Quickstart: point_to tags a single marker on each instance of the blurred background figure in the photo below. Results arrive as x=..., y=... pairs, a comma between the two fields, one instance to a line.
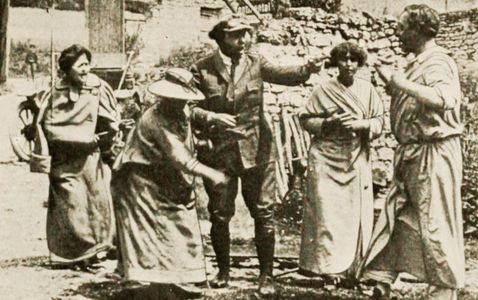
x=31, y=62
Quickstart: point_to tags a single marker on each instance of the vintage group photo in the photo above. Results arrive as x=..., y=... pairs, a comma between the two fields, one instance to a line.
x=238, y=149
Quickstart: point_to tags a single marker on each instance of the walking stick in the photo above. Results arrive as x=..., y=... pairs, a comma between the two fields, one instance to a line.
x=202, y=242
x=52, y=49
x=123, y=76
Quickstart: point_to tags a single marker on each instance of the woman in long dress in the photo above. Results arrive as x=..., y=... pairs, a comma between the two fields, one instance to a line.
x=159, y=235
x=77, y=117
x=343, y=115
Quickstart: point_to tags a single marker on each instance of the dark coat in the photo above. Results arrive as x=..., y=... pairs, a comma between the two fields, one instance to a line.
x=255, y=139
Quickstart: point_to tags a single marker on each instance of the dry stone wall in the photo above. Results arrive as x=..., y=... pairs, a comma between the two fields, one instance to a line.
x=312, y=32
x=459, y=33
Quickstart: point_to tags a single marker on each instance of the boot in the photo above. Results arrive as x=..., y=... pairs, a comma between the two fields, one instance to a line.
x=221, y=280
x=266, y=285
x=265, y=241
x=220, y=240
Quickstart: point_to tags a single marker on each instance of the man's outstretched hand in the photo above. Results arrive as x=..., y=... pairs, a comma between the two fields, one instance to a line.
x=314, y=65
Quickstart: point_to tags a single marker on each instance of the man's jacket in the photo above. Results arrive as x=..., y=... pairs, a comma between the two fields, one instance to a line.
x=252, y=132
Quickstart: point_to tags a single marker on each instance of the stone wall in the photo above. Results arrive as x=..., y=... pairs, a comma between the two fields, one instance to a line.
x=394, y=8
x=309, y=33
x=459, y=33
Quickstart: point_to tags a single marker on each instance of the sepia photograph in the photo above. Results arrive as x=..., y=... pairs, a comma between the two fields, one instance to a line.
x=238, y=149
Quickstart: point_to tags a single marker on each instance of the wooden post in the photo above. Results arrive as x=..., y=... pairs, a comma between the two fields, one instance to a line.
x=105, y=19
x=253, y=9
x=4, y=42
x=231, y=6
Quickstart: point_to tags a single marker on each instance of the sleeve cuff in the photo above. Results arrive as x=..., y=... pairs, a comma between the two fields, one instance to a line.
x=192, y=164
x=209, y=117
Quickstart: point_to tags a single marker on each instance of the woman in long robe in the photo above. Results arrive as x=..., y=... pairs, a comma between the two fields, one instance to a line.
x=343, y=115
x=159, y=235
x=76, y=117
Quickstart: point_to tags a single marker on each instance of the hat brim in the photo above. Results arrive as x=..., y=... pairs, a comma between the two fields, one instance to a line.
x=166, y=89
x=242, y=27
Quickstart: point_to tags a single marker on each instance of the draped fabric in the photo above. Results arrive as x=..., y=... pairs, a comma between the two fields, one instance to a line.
x=158, y=228
x=338, y=209
x=80, y=221
x=420, y=231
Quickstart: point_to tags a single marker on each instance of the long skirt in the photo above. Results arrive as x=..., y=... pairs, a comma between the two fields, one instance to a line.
x=80, y=221
x=420, y=229
x=159, y=238
x=338, y=215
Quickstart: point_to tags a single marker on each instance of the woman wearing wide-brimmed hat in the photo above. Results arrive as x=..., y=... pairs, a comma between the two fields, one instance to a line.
x=159, y=236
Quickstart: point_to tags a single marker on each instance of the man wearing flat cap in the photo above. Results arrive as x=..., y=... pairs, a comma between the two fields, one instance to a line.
x=232, y=117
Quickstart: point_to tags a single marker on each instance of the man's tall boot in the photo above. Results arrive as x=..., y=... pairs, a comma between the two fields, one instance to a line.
x=220, y=239
x=265, y=242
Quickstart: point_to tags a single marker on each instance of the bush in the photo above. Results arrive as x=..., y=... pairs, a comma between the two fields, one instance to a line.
x=140, y=6
x=469, y=187
x=70, y=5
x=136, y=6
x=330, y=6
x=134, y=42
x=185, y=57
x=59, y=4
x=25, y=3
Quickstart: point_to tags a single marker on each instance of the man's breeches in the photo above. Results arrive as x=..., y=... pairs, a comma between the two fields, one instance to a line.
x=258, y=191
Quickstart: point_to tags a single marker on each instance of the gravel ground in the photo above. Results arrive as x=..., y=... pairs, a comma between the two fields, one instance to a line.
x=26, y=274
x=24, y=269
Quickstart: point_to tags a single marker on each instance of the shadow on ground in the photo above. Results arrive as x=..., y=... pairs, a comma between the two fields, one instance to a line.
x=287, y=289
x=114, y=290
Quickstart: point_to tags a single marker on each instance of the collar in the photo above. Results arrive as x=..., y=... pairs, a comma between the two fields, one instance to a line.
x=422, y=57
x=227, y=60
x=92, y=81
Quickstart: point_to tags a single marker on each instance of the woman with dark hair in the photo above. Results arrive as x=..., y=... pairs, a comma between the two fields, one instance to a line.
x=343, y=115
x=153, y=183
x=77, y=116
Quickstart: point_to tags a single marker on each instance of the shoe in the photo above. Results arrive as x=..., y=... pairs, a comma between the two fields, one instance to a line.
x=381, y=292
x=344, y=282
x=266, y=285
x=187, y=291
x=221, y=280
x=87, y=267
x=112, y=254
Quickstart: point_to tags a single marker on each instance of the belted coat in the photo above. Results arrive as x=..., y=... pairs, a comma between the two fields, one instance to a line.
x=245, y=101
